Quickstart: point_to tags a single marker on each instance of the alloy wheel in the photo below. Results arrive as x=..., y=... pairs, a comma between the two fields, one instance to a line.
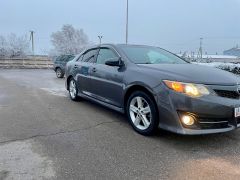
x=140, y=113
x=73, y=89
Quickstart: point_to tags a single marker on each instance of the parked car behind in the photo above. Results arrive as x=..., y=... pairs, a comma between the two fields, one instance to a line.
x=60, y=63
x=156, y=88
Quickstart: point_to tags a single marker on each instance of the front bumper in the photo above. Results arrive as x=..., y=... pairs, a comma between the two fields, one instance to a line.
x=214, y=114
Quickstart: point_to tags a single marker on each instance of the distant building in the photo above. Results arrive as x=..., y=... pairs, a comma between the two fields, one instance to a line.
x=221, y=58
x=233, y=52
x=211, y=58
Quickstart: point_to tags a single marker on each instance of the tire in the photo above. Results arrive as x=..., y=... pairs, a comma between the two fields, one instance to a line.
x=59, y=73
x=73, y=91
x=142, y=113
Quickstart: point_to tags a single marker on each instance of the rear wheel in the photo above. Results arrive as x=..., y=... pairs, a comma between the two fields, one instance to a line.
x=73, y=91
x=59, y=73
x=142, y=113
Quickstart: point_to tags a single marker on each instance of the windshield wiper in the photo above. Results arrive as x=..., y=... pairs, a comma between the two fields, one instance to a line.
x=145, y=63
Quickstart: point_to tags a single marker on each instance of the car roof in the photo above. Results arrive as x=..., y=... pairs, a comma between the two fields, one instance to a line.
x=117, y=45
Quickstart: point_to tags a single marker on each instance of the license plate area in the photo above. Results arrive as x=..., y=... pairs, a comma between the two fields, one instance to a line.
x=237, y=112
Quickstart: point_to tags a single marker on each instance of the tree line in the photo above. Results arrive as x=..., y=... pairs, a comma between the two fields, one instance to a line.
x=13, y=46
x=68, y=40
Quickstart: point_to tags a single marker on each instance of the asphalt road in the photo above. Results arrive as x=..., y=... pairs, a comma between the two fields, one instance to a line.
x=44, y=135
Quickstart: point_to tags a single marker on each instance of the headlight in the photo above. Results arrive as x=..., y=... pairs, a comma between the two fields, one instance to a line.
x=194, y=90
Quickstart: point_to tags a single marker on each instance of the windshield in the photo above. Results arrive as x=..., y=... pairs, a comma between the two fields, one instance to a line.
x=151, y=55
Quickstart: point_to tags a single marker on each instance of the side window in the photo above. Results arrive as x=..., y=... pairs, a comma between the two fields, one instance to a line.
x=57, y=59
x=89, y=56
x=104, y=55
x=80, y=58
x=69, y=58
x=64, y=58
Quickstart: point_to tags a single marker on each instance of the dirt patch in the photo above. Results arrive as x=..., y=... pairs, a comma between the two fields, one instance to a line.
x=209, y=168
x=19, y=161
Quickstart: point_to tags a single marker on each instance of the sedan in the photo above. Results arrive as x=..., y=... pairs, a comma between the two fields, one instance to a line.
x=156, y=89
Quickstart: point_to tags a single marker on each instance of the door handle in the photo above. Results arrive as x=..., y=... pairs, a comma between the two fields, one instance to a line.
x=94, y=70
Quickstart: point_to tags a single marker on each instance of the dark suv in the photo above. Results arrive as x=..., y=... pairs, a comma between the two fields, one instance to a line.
x=60, y=63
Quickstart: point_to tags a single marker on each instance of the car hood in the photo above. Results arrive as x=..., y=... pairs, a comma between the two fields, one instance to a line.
x=192, y=73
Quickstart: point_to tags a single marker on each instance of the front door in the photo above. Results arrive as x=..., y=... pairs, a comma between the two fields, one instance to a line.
x=107, y=81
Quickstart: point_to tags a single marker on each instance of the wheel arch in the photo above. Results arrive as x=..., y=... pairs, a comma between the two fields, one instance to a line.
x=68, y=80
x=135, y=88
x=57, y=67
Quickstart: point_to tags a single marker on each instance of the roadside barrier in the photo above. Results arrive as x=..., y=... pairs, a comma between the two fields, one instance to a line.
x=26, y=63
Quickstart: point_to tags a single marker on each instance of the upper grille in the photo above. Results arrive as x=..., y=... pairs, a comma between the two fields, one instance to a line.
x=228, y=94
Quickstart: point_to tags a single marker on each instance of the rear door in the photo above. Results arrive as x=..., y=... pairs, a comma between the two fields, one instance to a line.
x=58, y=62
x=83, y=68
x=107, y=81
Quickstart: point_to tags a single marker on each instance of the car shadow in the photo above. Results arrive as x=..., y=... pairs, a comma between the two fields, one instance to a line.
x=183, y=156
x=189, y=142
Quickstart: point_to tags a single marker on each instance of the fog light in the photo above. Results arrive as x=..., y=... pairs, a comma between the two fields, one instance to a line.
x=187, y=120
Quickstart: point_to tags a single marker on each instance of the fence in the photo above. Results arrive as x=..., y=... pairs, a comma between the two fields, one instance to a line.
x=27, y=63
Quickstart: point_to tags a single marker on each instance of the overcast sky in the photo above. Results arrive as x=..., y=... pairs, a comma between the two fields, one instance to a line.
x=175, y=25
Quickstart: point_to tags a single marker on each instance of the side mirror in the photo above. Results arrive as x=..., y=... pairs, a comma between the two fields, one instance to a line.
x=115, y=62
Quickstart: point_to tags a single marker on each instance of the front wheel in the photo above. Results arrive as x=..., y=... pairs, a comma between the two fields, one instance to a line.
x=73, y=91
x=142, y=113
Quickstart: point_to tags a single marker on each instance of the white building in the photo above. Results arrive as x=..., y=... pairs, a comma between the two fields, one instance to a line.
x=211, y=58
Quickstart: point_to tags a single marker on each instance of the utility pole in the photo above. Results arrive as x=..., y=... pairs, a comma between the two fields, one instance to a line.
x=127, y=25
x=200, y=48
x=100, y=39
x=32, y=39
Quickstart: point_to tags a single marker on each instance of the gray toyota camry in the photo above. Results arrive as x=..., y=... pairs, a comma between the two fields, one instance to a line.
x=156, y=89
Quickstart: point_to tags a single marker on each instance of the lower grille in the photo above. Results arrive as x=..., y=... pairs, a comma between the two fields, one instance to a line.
x=212, y=123
x=238, y=120
x=228, y=94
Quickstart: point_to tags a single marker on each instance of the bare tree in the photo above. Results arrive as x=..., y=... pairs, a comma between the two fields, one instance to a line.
x=3, y=46
x=69, y=40
x=18, y=46
x=13, y=46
